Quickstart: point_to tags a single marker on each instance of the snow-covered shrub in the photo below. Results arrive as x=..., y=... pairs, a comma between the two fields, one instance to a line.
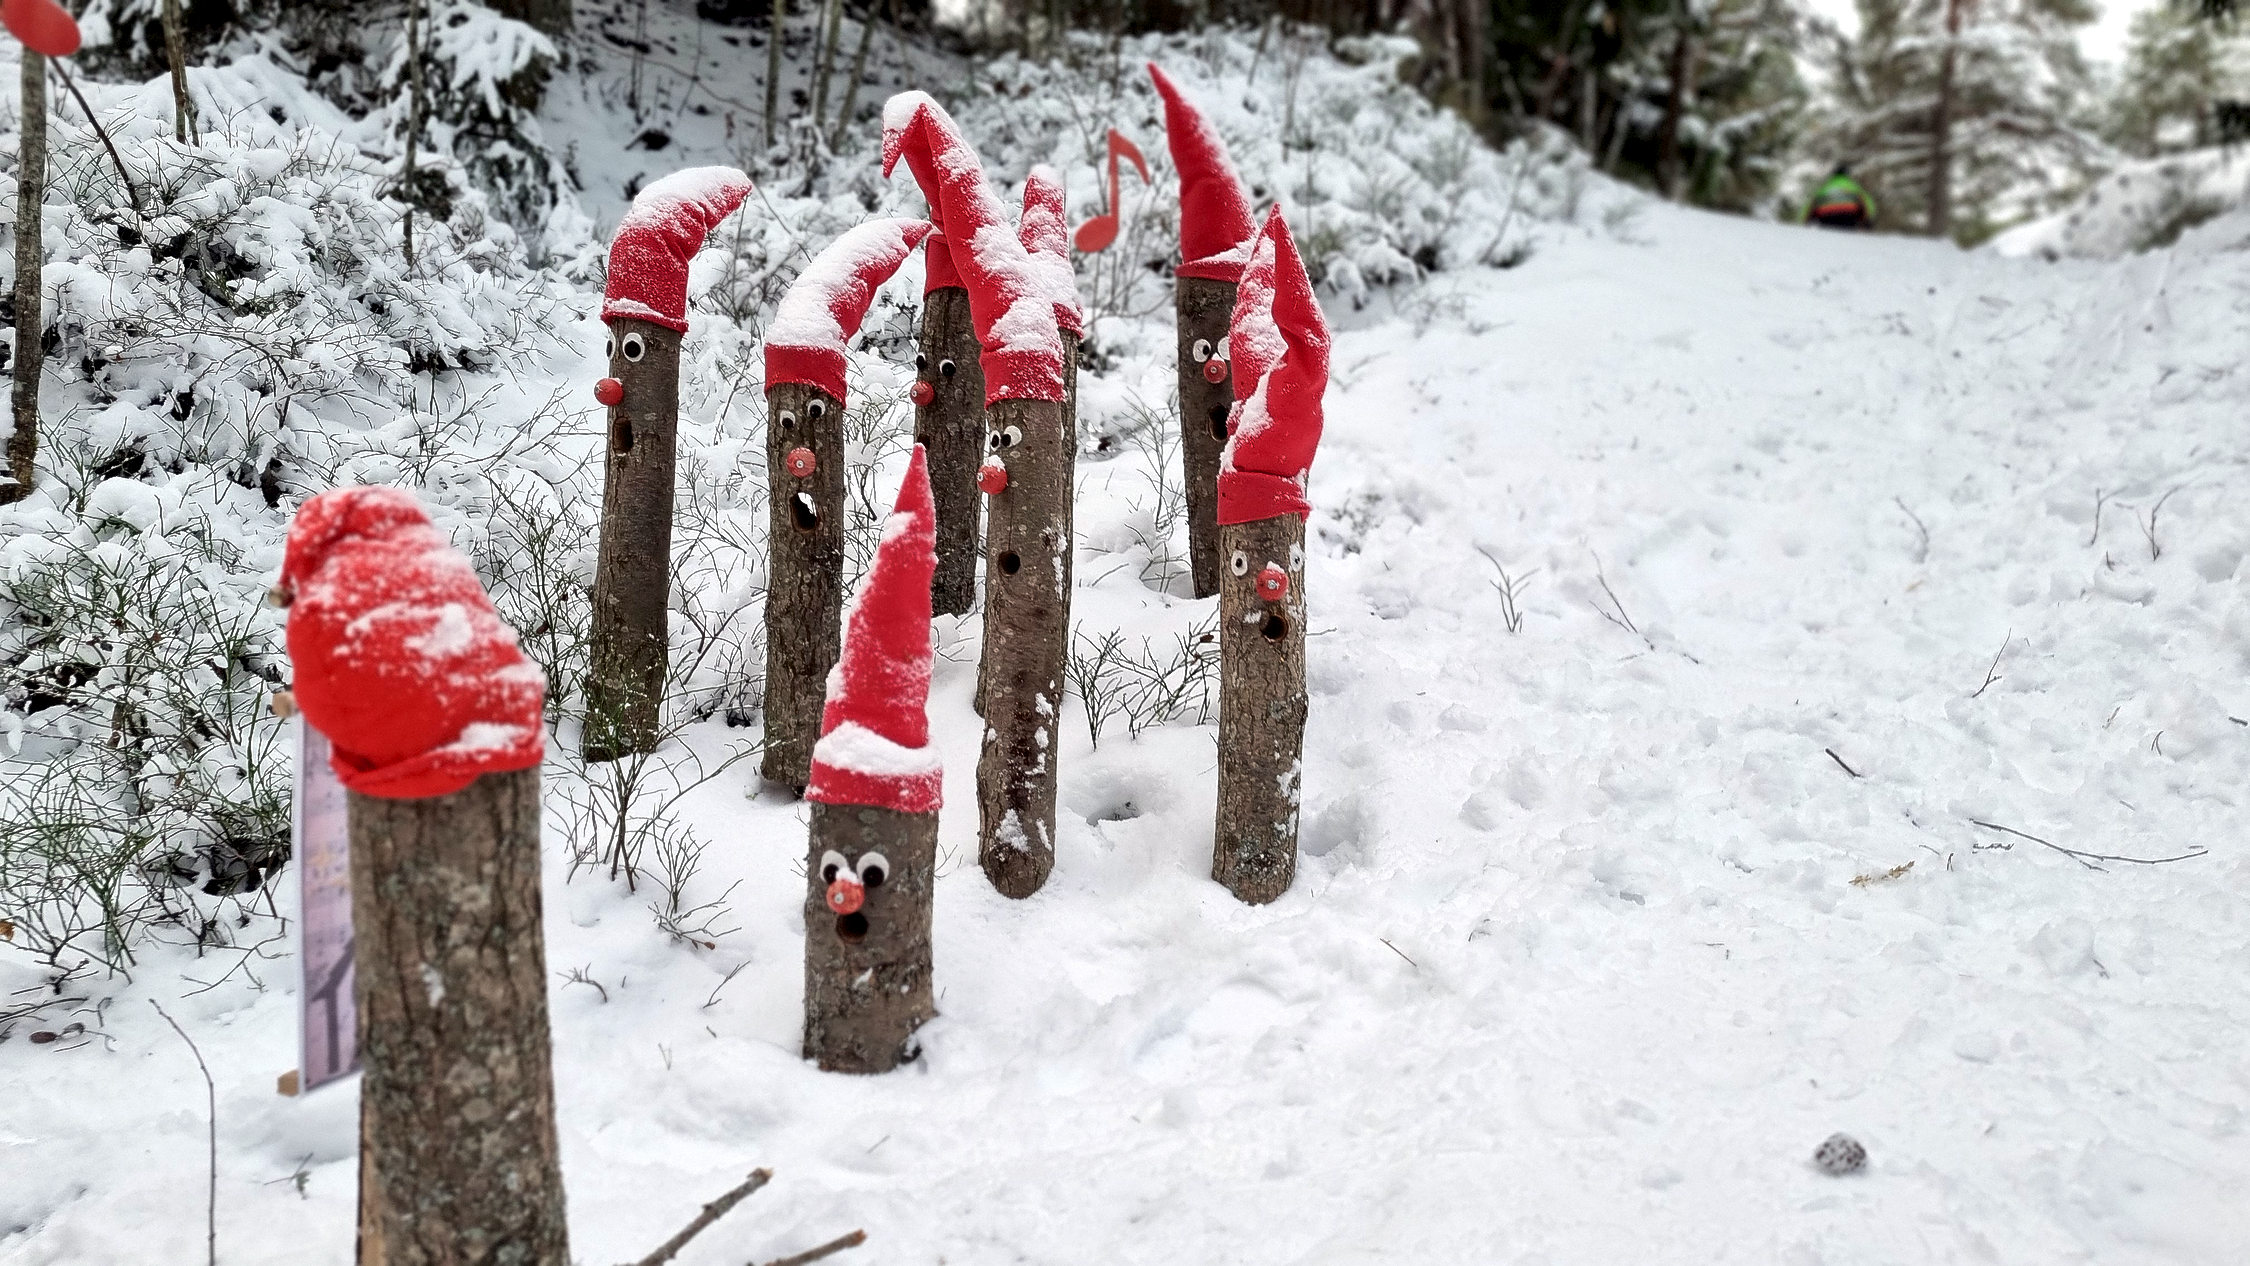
x=484, y=76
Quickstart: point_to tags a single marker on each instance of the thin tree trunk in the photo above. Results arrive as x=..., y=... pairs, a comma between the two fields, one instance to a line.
x=776, y=23
x=832, y=32
x=951, y=428
x=1675, y=105
x=804, y=576
x=413, y=118
x=175, y=56
x=1027, y=583
x=1261, y=710
x=1205, y=307
x=31, y=255
x=867, y=974
x=851, y=90
x=633, y=578
x=459, y=1161
x=1941, y=129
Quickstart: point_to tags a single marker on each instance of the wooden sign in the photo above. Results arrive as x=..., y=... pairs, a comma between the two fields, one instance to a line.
x=328, y=1027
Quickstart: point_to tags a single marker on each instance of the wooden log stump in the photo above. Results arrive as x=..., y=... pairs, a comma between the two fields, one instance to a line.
x=867, y=972
x=1027, y=584
x=951, y=429
x=805, y=572
x=633, y=577
x=1261, y=706
x=1204, y=307
x=459, y=1161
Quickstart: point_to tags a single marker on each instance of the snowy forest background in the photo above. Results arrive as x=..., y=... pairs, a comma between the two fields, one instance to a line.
x=365, y=244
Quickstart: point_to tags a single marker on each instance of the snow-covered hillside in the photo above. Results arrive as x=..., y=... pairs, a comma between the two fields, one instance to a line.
x=1867, y=757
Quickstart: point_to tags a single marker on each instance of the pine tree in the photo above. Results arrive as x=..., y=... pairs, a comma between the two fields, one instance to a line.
x=1960, y=115
x=1712, y=101
x=2185, y=70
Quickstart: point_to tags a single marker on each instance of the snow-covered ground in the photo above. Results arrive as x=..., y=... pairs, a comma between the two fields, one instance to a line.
x=1576, y=969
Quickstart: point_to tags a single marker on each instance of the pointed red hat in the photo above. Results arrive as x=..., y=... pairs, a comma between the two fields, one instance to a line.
x=659, y=238
x=1046, y=238
x=1012, y=312
x=1279, y=341
x=874, y=746
x=1215, y=221
x=828, y=301
x=398, y=655
x=42, y=25
x=938, y=272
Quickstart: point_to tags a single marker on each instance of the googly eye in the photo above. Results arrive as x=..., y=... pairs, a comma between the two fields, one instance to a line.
x=946, y=369
x=992, y=441
x=609, y=347
x=1201, y=351
x=921, y=362
x=1011, y=436
x=1221, y=350
x=788, y=421
x=817, y=410
x=1240, y=563
x=832, y=864
x=873, y=869
x=635, y=347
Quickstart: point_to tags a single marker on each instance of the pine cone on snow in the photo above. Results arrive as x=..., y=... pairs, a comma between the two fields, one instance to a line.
x=1840, y=1155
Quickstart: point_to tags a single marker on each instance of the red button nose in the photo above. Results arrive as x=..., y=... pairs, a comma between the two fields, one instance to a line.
x=1273, y=583
x=846, y=895
x=1215, y=370
x=992, y=477
x=609, y=391
x=923, y=393
x=801, y=462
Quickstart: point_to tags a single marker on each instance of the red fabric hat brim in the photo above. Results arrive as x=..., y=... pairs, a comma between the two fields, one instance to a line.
x=660, y=236
x=398, y=655
x=1279, y=342
x=806, y=340
x=938, y=272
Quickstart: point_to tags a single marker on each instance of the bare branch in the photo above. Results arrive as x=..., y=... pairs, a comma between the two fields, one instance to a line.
x=2081, y=856
x=834, y=1246
x=211, y=1095
x=1840, y=762
x=1992, y=674
x=712, y=1212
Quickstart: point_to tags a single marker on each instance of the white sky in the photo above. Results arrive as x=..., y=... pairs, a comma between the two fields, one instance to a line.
x=2104, y=40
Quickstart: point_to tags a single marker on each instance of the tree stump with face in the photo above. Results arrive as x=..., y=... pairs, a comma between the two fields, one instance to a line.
x=868, y=897
x=949, y=425
x=805, y=490
x=1261, y=706
x=631, y=641
x=1206, y=397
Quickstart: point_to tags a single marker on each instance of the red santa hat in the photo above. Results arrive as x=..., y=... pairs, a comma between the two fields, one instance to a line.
x=660, y=236
x=398, y=656
x=874, y=746
x=1046, y=238
x=1279, y=341
x=42, y=25
x=1215, y=221
x=828, y=301
x=938, y=272
x=1012, y=311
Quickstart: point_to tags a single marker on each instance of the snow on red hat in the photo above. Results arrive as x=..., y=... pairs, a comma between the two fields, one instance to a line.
x=1012, y=312
x=938, y=272
x=42, y=25
x=828, y=301
x=398, y=655
x=1215, y=221
x=1279, y=340
x=1046, y=238
x=660, y=236
x=874, y=746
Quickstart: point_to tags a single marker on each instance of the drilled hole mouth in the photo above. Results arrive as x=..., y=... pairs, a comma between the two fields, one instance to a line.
x=851, y=928
x=802, y=513
x=621, y=436
x=1010, y=563
x=1218, y=421
x=1276, y=627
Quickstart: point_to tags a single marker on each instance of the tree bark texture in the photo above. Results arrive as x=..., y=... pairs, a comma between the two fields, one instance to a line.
x=31, y=256
x=950, y=429
x=867, y=974
x=1680, y=74
x=777, y=18
x=1028, y=547
x=633, y=578
x=459, y=1162
x=1941, y=128
x=1261, y=710
x=804, y=574
x=175, y=59
x=1205, y=308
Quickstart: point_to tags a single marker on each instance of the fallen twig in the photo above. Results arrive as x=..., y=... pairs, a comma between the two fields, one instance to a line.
x=1876, y=877
x=1992, y=674
x=2148, y=529
x=1922, y=554
x=1401, y=953
x=837, y=1245
x=2081, y=856
x=1840, y=762
x=211, y=1096
x=712, y=1212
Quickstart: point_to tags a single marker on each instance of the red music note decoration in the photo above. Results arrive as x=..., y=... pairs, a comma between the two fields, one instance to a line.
x=1096, y=234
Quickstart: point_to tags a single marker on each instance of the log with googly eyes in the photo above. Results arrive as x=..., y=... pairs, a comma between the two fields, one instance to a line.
x=1027, y=475
x=948, y=395
x=645, y=310
x=1281, y=369
x=875, y=790
x=1216, y=229
x=806, y=365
